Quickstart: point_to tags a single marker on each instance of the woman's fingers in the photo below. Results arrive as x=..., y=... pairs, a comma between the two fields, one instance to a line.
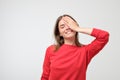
x=66, y=22
x=70, y=23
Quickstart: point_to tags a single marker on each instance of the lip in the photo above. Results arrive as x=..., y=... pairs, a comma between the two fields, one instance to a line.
x=68, y=31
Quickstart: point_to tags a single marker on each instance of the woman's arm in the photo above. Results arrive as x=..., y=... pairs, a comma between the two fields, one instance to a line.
x=46, y=66
x=85, y=30
x=101, y=37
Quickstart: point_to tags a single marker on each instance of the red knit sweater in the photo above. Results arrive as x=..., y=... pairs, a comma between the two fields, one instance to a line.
x=70, y=62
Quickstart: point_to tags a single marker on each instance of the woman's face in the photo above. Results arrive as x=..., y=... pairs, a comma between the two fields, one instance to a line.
x=65, y=31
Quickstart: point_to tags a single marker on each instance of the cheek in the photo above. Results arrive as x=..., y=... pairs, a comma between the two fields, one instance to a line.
x=73, y=34
x=61, y=32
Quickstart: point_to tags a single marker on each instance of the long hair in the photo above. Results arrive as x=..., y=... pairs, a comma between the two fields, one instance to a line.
x=59, y=39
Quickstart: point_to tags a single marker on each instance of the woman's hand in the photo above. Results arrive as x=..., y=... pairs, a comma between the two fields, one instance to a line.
x=75, y=27
x=71, y=23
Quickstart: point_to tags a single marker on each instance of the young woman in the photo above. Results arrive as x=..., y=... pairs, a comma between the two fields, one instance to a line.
x=68, y=58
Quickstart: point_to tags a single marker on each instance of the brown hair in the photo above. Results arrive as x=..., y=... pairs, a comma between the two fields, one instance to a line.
x=59, y=39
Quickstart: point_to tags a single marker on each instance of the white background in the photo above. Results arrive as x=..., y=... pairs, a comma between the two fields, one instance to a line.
x=26, y=30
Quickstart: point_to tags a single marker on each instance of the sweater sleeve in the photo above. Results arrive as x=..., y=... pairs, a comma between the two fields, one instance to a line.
x=46, y=66
x=101, y=39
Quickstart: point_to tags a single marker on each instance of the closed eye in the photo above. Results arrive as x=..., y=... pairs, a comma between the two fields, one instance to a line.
x=62, y=26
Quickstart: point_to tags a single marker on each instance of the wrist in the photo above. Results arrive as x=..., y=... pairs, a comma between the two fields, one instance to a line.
x=78, y=29
x=85, y=30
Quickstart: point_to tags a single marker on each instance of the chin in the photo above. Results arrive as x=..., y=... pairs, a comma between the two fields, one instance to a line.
x=70, y=37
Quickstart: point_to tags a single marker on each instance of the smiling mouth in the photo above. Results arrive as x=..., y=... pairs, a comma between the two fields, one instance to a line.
x=68, y=31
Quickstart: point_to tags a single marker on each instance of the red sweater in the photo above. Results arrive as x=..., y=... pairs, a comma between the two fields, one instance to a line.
x=70, y=62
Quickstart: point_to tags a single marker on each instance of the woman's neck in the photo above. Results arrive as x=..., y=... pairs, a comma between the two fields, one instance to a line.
x=69, y=41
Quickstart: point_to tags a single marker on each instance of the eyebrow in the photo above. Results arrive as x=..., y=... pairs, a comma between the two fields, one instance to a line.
x=62, y=24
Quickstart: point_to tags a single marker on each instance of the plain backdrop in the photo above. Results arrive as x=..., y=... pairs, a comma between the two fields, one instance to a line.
x=26, y=30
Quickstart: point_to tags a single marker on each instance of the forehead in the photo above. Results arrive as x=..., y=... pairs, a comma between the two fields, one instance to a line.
x=61, y=22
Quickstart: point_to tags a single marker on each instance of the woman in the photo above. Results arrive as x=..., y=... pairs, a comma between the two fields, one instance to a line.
x=68, y=59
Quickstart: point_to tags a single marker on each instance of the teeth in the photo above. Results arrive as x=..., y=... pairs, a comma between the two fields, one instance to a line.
x=68, y=32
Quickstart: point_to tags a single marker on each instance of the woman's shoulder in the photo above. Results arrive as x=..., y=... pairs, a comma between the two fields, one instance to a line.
x=51, y=48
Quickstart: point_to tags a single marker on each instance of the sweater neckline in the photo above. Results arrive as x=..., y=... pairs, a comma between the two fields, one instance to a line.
x=69, y=45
